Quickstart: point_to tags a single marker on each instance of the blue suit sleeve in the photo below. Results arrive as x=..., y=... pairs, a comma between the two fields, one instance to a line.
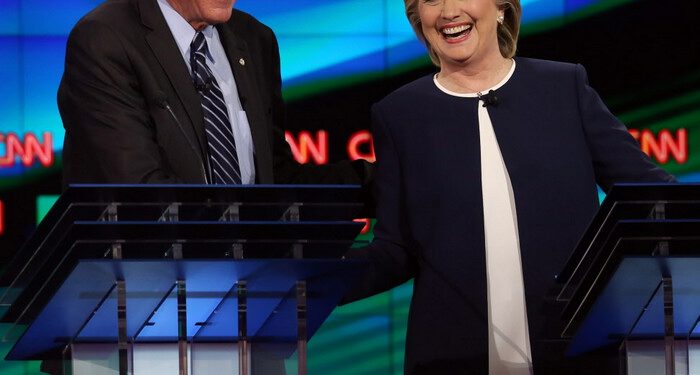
x=616, y=155
x=389, y=255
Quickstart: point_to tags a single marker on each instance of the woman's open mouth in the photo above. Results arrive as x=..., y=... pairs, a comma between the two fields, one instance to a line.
x=457, y=33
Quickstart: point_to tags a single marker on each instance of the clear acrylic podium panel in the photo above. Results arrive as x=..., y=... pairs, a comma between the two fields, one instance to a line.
x=92, y=204
x=631, y=281
x=630, y=307
x=660, y=202
x=84, y=309
x=196, y=240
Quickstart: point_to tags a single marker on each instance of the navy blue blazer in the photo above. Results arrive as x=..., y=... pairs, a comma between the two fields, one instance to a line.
x=557, y=139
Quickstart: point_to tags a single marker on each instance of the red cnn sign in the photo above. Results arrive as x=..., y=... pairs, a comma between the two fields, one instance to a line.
x=306, y=148
x=357, y=141
x=28, y=150
x=664, y=145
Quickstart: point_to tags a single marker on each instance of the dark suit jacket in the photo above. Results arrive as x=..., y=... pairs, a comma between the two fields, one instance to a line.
x=557, y=139
x=122, y=64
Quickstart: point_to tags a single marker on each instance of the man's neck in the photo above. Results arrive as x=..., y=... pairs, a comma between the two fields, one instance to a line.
x=187, y=10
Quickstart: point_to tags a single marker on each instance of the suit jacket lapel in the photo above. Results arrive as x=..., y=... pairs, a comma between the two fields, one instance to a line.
x=161, y=41
x=243, y=67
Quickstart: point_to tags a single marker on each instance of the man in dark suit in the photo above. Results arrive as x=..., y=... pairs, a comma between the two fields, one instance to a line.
x=133, y=113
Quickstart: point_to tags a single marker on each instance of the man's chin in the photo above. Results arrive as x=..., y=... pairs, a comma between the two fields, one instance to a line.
x=219, y=16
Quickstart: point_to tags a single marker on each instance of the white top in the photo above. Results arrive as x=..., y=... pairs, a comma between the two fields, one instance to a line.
x=509, y=340
x=218, y=62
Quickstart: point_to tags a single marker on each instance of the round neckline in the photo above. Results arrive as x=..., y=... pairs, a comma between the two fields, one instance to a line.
x=475, y=94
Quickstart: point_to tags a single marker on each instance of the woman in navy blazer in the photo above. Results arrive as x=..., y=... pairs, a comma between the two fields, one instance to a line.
x=557, y=140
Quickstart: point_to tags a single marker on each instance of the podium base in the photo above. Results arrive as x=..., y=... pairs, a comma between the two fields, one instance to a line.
x=156, y=359
x=649, y=358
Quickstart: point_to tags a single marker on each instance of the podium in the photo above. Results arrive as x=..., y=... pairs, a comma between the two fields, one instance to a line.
x=182, y=279
x=634, y=280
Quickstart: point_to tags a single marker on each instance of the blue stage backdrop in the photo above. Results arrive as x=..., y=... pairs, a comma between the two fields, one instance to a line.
x=362, y=40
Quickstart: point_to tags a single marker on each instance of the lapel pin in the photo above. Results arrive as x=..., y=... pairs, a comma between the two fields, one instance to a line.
x=242, y=62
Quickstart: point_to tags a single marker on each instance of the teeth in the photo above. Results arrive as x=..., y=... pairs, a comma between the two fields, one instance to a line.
x=456, y=29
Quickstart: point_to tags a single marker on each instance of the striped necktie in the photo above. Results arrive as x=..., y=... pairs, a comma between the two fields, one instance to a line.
x=222, y=145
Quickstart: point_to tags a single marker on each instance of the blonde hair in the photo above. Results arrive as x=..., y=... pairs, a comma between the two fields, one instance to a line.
x=507, y=31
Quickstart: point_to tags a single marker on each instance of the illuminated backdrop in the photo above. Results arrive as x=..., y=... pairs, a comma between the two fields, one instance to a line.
x=338, y=56
x=323, y=44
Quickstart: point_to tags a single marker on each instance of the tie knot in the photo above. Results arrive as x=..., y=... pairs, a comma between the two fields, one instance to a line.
x=199, y=44
x=198, y=62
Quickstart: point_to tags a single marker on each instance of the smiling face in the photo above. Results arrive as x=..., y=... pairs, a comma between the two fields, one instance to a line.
x=461, y=32
x=200, y=13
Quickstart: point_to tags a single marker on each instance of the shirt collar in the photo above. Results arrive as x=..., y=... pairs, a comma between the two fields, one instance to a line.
x=182, y=31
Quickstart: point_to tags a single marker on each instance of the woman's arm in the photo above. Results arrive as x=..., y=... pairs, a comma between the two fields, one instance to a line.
x=617, y=156
x=391, y=261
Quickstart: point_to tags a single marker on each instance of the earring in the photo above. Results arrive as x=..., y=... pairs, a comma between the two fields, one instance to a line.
x=500, y=19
